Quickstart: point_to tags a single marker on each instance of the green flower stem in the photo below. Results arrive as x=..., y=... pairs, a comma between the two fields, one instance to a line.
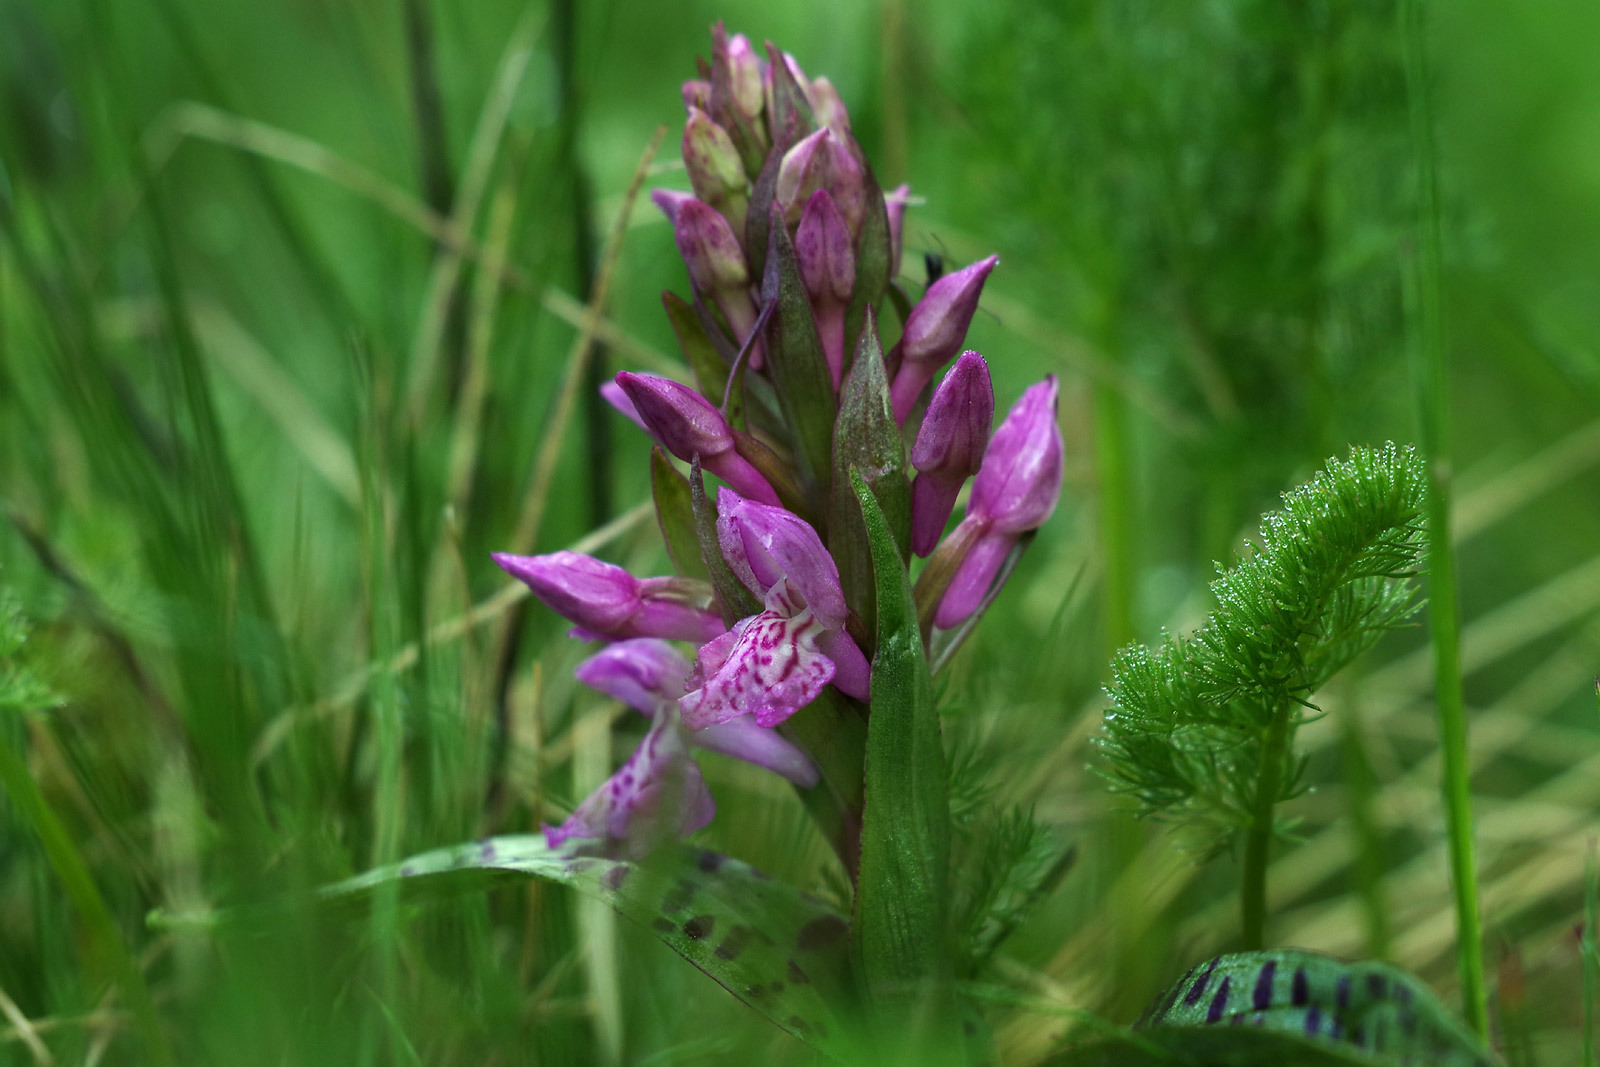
x=1444, y=621
x=1258, y=844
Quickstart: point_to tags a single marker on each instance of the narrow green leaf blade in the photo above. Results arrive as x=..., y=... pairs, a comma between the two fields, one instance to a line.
x=675, y=515
x=710, y=369
x=799, y=368
x=901, y=936
x=780, y=951
x=872, y=264
x=866, y=437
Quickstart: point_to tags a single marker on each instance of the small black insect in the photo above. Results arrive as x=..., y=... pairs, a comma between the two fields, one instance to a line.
x=933, y=264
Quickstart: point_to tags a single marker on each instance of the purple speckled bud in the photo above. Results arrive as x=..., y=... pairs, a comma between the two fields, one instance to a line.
x=895, y=203
x=950, y=446
x=934, y=331
x=687, y=425
x=847, y=179
x=1015, y=491
x=1020, y=480
x=605, y=600
x=697, y=93
x=650, y=675
x=749, y=93
x=710, y=250
x=805, y=168
x=658, y=793
x=829, y=106
x=714, y=168
x=800, y=79
x=826, y=254
x=716, y=265
x=669, y=201
x=764, y=545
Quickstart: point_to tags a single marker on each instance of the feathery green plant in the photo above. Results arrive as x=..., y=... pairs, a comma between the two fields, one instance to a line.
x=1202, y=727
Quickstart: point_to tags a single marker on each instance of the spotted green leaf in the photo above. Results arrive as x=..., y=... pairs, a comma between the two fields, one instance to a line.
x=1364, y=1013
x=773, y=947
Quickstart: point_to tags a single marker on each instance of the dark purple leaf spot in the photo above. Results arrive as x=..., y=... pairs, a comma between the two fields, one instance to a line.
x=756, y=992
x=614, y=877
x=738, y=937
x=1300, y=992
x=1313, y=1021
x=1341, y=992
x=819, y=933
x=699, y=927
x=775, y=988
x=796, y=975
x=681, y=896
x=662, y=926
x=1261, y=997
x=407, y=871
x=488, y=852
x=1219, y=1003
x=709, y=861
x=1376, y=986
x=1198, y=990
x=797, y=1023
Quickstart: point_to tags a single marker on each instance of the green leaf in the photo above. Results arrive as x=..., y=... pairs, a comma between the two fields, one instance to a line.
x=798, y=367
x=901, y=935
x=792, y=118
x=834, y=735
x=1367, y=1012
x=872, y=265
x=710, y=369
x=735, y=601
x=675, y=516
x=1233, y=1047
x=866, y=437
x=780, y=951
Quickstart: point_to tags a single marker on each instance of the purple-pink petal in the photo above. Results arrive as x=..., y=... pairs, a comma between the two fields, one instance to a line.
x=972, y=579
x=642, y=672
x=1020, y=481
x=658, y=792
x=763, y=545
x=742, y=739
x=772, y=669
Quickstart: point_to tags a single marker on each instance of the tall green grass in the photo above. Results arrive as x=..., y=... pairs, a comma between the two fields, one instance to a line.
x=298, y=323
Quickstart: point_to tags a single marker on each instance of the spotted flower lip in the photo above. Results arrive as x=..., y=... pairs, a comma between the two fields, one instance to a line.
x=647, y=674
x=1015, y=491
x=659, y=792
x=607, y=601
x=950, y=447
x=934, y=331
x=773, y=663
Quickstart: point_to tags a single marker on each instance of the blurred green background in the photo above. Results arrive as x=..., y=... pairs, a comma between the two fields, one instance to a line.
x=290, y=309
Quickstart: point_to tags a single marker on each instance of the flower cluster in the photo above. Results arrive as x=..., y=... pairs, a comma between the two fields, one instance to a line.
x=792, y=250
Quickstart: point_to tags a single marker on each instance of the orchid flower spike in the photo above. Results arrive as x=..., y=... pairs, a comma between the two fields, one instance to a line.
x=950, y=447
x=687, y=426
x=777, y=661
x=606, y=601
x=659, y=792
x=934, y=332
x=650, y=675
x=1015, y=491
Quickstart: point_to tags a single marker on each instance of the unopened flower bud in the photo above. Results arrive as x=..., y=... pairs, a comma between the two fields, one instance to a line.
x=669, y=201
x=605, y=600
x=687, y=425
x=697, y=93
x=950, y=447
x=745, y=64
x=829, y=107
x=934, y=331
x=613, y=395
x=714, y=168
x=847, y=179
x=804, y=170
x=716, y=265
x=795, y=72
x=826, y=255
x=1015, y=491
